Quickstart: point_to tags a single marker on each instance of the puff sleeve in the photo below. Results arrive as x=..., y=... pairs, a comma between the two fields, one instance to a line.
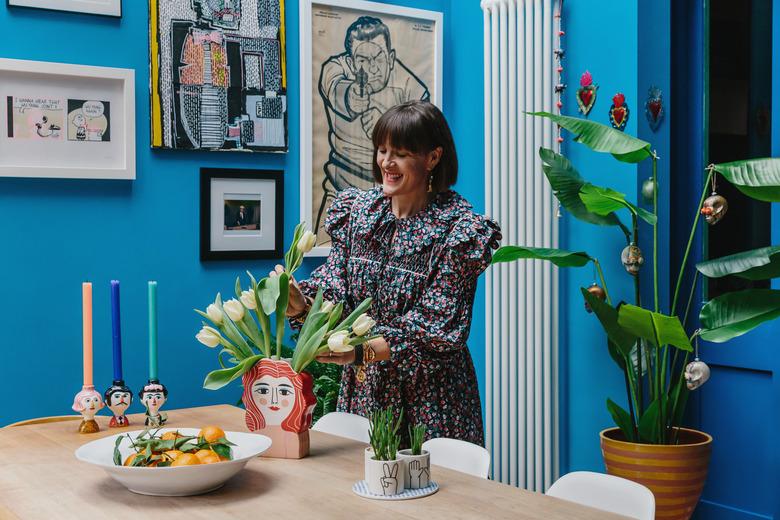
x=440, y=320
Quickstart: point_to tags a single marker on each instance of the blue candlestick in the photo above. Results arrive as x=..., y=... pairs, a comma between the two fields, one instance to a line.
x=116, y=330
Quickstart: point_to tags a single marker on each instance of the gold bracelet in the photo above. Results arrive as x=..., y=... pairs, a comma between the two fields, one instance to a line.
x=368, y=353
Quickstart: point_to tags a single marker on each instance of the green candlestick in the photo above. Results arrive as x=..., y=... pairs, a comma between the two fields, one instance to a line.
x=152, y=330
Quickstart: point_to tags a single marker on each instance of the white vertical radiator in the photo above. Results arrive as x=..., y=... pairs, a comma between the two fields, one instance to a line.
x=521, y=40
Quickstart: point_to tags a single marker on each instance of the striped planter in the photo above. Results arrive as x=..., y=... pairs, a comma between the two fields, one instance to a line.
x=674, y=473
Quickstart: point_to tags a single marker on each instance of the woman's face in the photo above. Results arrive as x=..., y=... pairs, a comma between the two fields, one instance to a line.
x=274, y=396
x=405, y=173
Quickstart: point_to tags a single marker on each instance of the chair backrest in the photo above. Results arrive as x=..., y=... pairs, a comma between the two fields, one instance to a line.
x=343, y=424
x=606, y=492
x=459, y=455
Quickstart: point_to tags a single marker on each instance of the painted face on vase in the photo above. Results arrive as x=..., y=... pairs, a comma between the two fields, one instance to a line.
x=275, y=397
x=88, y=402
x=153, y=401
x=119, y=401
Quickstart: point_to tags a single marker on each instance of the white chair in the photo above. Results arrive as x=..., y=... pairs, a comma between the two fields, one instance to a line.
x=343, y=424
x=606, y=492
x=459, y=455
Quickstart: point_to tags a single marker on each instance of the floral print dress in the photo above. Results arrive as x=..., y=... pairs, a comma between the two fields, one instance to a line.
x=421, y=273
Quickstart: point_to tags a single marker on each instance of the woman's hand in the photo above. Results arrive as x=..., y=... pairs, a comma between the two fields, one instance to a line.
x=337, y=358
x=296, y=304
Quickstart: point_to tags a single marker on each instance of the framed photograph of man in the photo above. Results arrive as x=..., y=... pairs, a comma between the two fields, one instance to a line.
x=241, y=214
x=358, y=59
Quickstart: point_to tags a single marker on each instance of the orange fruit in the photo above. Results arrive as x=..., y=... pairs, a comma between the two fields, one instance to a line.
x=203, y=453
x=186, y=459
x=170, y=436
x=211, y=433
x=129, y=460
x=172, y=454
x=210, y=458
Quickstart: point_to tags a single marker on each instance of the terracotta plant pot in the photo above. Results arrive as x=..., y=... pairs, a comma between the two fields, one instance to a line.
x=674, y=473
x=279, y=403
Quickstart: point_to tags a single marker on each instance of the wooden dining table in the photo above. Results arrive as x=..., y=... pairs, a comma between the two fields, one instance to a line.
x=40, y=478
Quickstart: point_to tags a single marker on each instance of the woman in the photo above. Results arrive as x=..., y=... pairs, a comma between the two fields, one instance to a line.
x=417, y=249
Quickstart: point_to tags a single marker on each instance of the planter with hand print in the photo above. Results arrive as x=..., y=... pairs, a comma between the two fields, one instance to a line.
x=385, y=477
x=418, y=469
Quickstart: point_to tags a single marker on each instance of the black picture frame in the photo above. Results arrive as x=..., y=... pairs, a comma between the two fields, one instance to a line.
x=111, y=16
x=207, y=176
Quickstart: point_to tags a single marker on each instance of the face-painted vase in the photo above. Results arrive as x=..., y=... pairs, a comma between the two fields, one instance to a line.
x=279, y=403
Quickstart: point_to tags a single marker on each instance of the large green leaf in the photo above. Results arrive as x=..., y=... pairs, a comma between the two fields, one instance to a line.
x=559, y=257
x=566, y=182
x=656, y=328
x=735, y=313
x=602, y=138
x=608, y=316
x=604, y=201
x=622, y=420
x=268, y=293
x=219, y=378
x=649, y=427
x=756, y=178
x=757, y=264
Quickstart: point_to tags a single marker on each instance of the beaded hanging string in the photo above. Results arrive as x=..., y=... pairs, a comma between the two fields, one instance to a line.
x=560, y=87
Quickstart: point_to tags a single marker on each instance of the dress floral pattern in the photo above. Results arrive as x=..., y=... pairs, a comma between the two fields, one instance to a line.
x=421, y=273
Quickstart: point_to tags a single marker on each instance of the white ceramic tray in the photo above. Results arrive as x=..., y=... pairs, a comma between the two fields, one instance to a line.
x=361, y=489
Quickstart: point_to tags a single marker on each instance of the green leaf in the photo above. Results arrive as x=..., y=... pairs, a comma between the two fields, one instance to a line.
x=756, y=178
x=335, y=314
x=117, y=454
x=281, y=309
x=566, y=182
x=219, y=378
x=649, y=428
x=757, y=264
x=656, y=328
x=238, y=288
x=608, y=317
x=268, y=294
x=309, y=349
x=604, y=201
x=735, y=313
x=602, y=138
x=559, y=257
x=622, y=419
x=360, y=309
x=223, y=451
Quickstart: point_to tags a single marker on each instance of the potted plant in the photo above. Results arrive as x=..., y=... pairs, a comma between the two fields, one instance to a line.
x=650, y=346
x=417, y=461
x=278, y=394
x=385, y=471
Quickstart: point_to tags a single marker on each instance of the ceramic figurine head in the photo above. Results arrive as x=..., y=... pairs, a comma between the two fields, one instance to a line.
x=632, y=259
x=153, y=396
x=88, y=403
x=714, y=208
x=696, y=374
x=118, y=398
x=275, y=395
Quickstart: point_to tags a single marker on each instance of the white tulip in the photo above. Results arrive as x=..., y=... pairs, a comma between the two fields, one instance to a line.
x=248, y=299
x=209, y=336
x=234, y=309
x=327, y=306
x=363, y=324
x=339, y=342
x=306, y=242
x=214, y=313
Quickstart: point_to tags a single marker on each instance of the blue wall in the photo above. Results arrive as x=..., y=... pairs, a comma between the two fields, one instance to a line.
x=607, y=46
x=58, y=233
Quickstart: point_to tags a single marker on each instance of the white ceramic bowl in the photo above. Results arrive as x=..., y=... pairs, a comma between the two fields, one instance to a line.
x=173, y=481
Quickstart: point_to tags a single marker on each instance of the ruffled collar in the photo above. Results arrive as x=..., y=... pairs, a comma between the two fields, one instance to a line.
x=416, y=232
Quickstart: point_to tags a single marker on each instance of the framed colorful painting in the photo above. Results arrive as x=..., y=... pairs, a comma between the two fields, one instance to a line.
x=218, y=75
x=241, y=214
x=62, y=120
x=99, y=7
x=358, y=59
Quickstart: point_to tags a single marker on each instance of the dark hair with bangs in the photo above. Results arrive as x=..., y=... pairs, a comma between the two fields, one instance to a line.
x=418, y=127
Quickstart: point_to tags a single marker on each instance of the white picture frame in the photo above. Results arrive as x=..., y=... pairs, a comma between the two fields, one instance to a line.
x=111, y=8
x=430, y=21
x=101, y=147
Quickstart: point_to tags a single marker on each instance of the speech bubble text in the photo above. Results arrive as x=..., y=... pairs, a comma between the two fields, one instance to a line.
x=93, y=108
x=24, y=103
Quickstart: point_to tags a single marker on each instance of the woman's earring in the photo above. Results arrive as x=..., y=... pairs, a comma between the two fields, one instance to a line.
x=430, y=183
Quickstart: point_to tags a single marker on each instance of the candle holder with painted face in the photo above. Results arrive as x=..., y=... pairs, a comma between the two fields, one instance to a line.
x=118, y=399
x=153, y=396
x=88, y=403
x=279, y=403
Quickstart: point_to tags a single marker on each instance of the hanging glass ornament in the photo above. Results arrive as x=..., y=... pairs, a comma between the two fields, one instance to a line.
x=648, y=189
x=715, y=206
x=596, y=291
x=696, y=372
x=632, y=259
